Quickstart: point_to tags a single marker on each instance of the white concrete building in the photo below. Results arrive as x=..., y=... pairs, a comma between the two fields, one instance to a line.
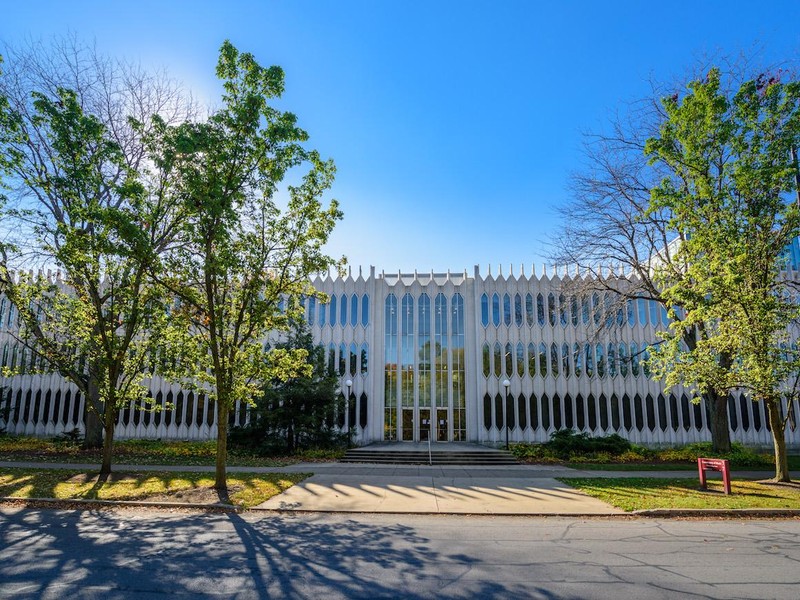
x=429, y=353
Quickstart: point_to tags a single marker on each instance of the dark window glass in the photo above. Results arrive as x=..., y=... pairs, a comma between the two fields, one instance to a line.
x=353, y=310
x=540, y=309
x=529, y=310
x=312, y=309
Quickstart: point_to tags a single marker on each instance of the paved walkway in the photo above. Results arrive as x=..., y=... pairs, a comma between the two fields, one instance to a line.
x=502, y=490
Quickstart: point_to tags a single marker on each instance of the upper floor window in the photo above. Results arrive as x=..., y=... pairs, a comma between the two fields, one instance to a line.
x=353, y=310
x=364, y=310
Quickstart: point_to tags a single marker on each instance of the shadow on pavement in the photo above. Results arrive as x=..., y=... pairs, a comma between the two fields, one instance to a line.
x=66, y=554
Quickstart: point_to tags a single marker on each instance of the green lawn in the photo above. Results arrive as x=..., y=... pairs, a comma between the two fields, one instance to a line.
x=143, y=452
x=649, y=493
x=247, y=489
x=794, y=465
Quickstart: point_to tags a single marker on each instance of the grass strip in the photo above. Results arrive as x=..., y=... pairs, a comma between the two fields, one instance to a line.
x=642, y=493
x=246, y=489
x=144, y=452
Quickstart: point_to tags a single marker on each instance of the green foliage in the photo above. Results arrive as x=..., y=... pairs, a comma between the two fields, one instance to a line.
x=569, y=445
x=239, y=255
x=298, y=413
x=568, y=441
x=566, y=445
x=731, y=189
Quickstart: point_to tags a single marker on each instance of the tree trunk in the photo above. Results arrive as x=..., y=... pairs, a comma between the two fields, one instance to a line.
x=720, y=431
x=778, y=440
x=221, y=477
x=108, y=440
x=92, y=419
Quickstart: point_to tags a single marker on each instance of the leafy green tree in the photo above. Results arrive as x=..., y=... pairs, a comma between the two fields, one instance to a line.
x=85, y=203
x=95, y=221
x=299, y=410
x=730, y=189
x=240, y=255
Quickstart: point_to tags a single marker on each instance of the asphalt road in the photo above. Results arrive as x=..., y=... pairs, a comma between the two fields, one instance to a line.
x=142, y=554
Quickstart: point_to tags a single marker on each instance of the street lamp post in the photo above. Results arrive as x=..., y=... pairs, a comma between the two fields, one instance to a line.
x=349, y=384
x=506, y=384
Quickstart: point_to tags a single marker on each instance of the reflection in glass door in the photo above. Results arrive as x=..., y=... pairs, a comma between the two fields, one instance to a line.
x=408, y=424
x=441, y=425
x=424, y=424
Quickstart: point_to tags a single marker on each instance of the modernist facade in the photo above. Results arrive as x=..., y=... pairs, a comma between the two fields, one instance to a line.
x=424, y=355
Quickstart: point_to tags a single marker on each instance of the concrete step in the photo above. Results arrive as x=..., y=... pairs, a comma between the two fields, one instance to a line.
x=419, y=457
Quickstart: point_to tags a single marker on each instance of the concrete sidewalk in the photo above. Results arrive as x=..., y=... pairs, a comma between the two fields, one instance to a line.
x=373, y=488
x=365, y=493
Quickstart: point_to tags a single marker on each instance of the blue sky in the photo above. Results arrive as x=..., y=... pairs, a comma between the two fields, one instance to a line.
x=454, y=125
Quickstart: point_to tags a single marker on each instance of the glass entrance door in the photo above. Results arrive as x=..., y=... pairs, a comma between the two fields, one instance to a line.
x=408, y=424
x=424, y=425
x=441, y=425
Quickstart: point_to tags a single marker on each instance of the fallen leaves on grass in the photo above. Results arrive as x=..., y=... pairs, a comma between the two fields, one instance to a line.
x=244, y=489
x=640, y=493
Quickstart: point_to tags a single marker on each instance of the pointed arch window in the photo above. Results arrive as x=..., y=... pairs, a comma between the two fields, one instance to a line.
x=540, y=309
x=364, y=310
x=531, y=360
x=529, y=310
x=518, y=310
x=312, y=309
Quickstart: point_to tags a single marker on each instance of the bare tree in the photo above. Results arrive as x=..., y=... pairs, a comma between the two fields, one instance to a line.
x=610, y=234
x=55, y=91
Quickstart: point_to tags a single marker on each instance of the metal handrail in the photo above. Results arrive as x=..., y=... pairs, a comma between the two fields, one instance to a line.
x=430, y=457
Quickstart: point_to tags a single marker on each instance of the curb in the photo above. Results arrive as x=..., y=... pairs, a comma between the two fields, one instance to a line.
x=69, y=502
x=716, y=512
x=663, y=513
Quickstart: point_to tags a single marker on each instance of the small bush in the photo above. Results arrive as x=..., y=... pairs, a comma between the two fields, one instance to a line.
x=566, y=442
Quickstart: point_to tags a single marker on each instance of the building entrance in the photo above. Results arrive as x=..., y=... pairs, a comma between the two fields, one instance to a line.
x=424, y=377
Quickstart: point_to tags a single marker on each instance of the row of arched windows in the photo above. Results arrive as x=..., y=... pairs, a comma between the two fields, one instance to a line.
x=348, y=360
x=616, y=413
x=564, y=360
x=555, y=309
x=342, y=309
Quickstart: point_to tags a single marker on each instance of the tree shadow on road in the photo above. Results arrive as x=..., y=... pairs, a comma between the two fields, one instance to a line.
x=45, y=553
